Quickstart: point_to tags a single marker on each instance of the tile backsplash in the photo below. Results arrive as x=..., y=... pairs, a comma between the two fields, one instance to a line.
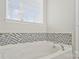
x=14, y=38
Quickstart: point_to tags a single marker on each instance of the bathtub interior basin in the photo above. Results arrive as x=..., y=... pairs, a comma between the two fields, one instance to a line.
x=28, y=50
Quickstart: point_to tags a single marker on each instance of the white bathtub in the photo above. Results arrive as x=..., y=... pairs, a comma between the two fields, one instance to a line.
x=66, y=54
x=35, y=50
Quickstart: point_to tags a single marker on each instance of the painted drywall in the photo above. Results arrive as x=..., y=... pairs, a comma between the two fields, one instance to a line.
x=60, y=18
x=18, y=27
x=60, y=15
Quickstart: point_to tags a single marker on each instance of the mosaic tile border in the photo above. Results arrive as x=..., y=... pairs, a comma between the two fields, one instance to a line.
x=14, y=38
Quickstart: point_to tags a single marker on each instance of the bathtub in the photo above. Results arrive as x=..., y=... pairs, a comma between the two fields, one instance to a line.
x=66, y=54
x=34, y=50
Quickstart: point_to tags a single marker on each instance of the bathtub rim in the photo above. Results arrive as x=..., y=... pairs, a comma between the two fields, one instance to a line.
x=58, y=53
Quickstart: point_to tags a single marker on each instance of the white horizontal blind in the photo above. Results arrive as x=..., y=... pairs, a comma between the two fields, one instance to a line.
x=25, y=10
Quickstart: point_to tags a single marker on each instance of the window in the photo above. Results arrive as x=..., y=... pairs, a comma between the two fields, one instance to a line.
x=25, y=10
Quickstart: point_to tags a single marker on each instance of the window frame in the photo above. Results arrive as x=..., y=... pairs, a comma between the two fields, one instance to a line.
x=21, y=20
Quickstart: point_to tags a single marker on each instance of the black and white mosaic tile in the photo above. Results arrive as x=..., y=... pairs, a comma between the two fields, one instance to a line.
x=14, y=38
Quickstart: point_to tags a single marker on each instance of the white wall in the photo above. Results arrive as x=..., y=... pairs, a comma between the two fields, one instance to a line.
x=60, y=15
x=18, y=27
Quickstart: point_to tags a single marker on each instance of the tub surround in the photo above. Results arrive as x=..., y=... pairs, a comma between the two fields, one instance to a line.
x=14, y=38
